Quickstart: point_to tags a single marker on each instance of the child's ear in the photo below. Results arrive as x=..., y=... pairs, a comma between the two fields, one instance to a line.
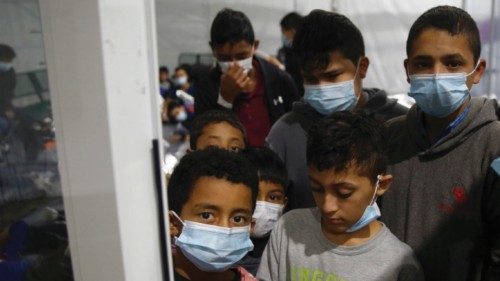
x=384, y=184
x=364, y=62
x=285, y=202
x=479, y=71
x=405, y=64
x=256, y=44
x=252, y=225
x=174, y=225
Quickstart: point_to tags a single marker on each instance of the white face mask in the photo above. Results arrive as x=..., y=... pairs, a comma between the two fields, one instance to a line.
x=246, y=64
x=266, y=215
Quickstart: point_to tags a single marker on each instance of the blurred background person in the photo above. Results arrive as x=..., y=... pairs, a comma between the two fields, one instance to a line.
x=289, y=24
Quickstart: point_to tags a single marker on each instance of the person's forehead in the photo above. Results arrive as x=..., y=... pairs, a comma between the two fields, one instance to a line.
x=268, y=186
x=223, y=128
x=336, y=61
x=331, y=176
x=438, y=43
x=230, y=48
x=180, y=71
x=221, y=193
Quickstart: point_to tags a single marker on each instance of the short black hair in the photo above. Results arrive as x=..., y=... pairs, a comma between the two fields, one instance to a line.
x=218, y=163
x=186, y=67
x=345, y=140
x=174, y=103
x=269, y=165
x=451, y=19
x=230, y=26
x=324, y=32
x=7, y=54
x=291, y=20
x=164, y=69
x=214, y=117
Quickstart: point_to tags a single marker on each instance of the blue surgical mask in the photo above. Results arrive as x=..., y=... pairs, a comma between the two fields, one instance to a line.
x=181, y=117
x=371, y=213
x=180, y=81
x=4, y=66
x=285, y=41
x=213, y=248
x=332, y=97
x=440, y=94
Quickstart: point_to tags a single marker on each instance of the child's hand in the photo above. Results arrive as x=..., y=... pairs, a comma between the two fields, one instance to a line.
x=234, y=82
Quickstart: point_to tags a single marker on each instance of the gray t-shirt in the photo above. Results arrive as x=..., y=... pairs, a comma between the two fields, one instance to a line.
x=298, y=250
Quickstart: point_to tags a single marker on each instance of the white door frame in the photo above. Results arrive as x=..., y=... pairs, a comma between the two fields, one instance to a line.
x=102, y=67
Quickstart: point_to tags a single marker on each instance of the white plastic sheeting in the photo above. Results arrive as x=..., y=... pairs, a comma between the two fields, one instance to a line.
x=20, y=28
x=183, y=26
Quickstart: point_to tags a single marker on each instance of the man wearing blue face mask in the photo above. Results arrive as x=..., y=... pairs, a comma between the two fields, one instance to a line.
x=445, y=154
x=257, y=91
x=331, y=52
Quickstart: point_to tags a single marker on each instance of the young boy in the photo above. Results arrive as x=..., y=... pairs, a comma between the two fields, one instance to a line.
x=341, y=239
x=271, y=201
x=331, y=52
x=444, y=154
x=257, y=91
x=218, y=128
x=211, y=196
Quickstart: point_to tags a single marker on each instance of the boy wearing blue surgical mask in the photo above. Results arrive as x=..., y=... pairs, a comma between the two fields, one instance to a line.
x=271, y=201
x=331, y=52
x=257, y=91
x=211, y=196
x=341, y=239
x=444, y=154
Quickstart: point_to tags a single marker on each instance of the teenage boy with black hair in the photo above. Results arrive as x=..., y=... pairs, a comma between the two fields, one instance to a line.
x=218, y=128
x=258, y=92
x=444, y=154
x=211, y=197
x=332, y=56
x=341, y=239
x=271, y=201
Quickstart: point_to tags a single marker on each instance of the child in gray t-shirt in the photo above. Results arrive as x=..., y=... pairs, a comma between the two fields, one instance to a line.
x=341, y=239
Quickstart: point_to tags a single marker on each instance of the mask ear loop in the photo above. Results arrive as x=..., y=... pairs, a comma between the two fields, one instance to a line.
x=374, y=197
x=177, y=217
x=475, y=68
x=354, y=79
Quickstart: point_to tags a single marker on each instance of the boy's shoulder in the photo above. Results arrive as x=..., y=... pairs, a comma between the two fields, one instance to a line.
x=299, y=219
x=397, y=247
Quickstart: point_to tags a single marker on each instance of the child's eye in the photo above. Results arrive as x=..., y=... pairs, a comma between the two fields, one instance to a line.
x=206, y=216
x=239, y=220
x=454, y=64
x=344, y=195
x=421, y=65
x=275, y=197
x=235, y=149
